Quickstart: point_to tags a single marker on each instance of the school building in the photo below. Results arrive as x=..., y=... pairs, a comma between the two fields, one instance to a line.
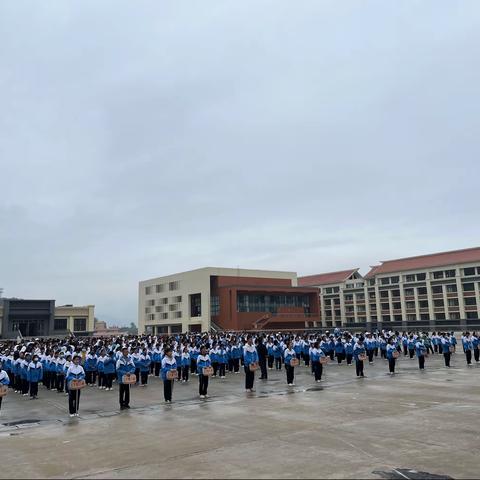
x=37, y=318
x=435, y=290
x=226, y=299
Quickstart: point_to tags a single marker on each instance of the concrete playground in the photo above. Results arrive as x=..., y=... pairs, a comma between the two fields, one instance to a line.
x=344, y=427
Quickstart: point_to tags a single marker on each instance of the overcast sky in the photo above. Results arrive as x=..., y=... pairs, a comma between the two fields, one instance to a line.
x=142, y=138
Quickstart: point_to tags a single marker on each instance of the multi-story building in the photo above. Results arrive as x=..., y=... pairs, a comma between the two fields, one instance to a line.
x=227, y=299
x=422, y=291
x=35, y=318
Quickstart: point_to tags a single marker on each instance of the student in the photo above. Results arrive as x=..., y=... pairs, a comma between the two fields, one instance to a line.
x=194, y=354
x=467, y=344
x=277, y=355
x=24, y=362
x=340, y=350
x=411, y=346
x=262, y=358
x=421, y=351
x=445, y=348
x=66, y=366
x=178, y=359
x=34, y=375
x=213, y=358
x=236, y=353
x=144, y=364
x=475, y=344
x=289, y=355
x=4, y=380
x=125, y=364
x=391, y=355
x=316, y=353
x=102, y=384
x=168, y=363
x=60, y=372
x=249, y=356
x=91, y=362
x=136, y=357
x=349, y=350
x=222, y=359
x=157, y=359
x=306, y=352
x=185, y=364
x=108, y=371
x=270, y=357
x=74, y=372
x=203, y=360
x=359, y=350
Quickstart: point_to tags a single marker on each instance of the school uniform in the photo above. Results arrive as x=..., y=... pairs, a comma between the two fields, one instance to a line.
x=467, y=348
x=102, y=384
x=168, y=364
x=91, y=369
x=349, y=351
x=222, y=361
x=74, y=372
x=315, y=355
x=144, y=364
x=391, y=360
x=420, y=351
x=124, y=365
x=185, y=360
x=202, y=362
x=359, y=349
x=250, y=356
x=34, y=375
x=4, y=380
x=339, y=351
x=445, y=347
x=108, y=371
x=289, y=354
x=476, y=351
x=157, y=360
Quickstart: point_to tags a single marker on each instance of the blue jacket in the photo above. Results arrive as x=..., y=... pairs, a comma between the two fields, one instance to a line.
x=76, y=376
x=250, y=357
x=108, y=365
x=445, y=345
x=358, y=350
x=201, y=364
x=34, y=373
x=222, y=356
x=166, y=367
x=236, y=352
x=124, y=366
x=144, y=364
x=90, y=364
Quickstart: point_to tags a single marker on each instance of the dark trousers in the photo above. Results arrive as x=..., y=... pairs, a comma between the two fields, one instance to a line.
x=339, y=357
x=270, y=361
x=236, y=365
x=152, y=368
x=185, y=371
x=278, y=363
x=193, y=366
x=263, y=369
x=230, y=365
x=391, y=365
x=290, y=373
x=101, y=379
x=447, y=356
x=421, y=362
x=476, y=354
x=411, y=352
x=46, y=379
x=468, y=355
x=12, y=380
x=24, y=385
x=405, y=350
x=306, y=357
x=108, y=380
x=60, y=383
x=215, y=368
x=370, y=355
x=124, y=395
x=202, y=384
x=221, y=369
x=317, y=370
x=90, y=377
x=349, y=358
x=167, y=389
x=73, y=401
x=33, y=389
x=144, y=377
x=332, y=355
x=157, y=368
x=137, y=374
x=359, y=368
x=249, y=378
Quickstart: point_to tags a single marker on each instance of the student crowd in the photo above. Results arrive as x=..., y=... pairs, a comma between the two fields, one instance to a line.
x=132, y=359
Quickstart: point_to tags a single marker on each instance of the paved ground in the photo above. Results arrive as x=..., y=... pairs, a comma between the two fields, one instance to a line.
x=341, y=428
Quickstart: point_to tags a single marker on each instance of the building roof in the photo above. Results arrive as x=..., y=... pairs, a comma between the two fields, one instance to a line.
x=442, y=259
x=326, y=278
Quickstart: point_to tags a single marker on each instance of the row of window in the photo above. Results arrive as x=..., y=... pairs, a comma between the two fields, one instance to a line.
x=270, y=303
x=164, y=301
x=163, y=287
x=414, y=318
x=164, y=315
x=61, y=324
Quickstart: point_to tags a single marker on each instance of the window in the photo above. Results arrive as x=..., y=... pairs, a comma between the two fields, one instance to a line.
x=338, y=313
x=409, y=278
x=371, y=281
x=151, y=316
x=478, y=270
x=215, y=305
x=385, y=306
x=172, y=307
x=397, y=305
x=423, y=303
x=438, y=274
x=151, y=303
x=438, y=303
x=360, y=296
x=174, y=285
x=372, y=296
x=159, y=288
x=397, y=318
x=177, y=314
x=148, y=290
x=394, y=279
x=452, y=288
x=177, y=299
x=196, y=304
x=468, y=272
x=348, y=298
x=411, y=317
x=328, y=290
x=437, y=289
x=328, y=301
x=395, y=293
x=250, y=302
x=422, y=290
x=373, y=307
x=147, y=309
x=336, y=289
x=409, y=292
x=440, y=316
x=450, y=273
x=421, y=276
x=453, y=302
x=165, y=300
x=60, y=324
x=336, y=301
x=159, y=309
x=424, y=316
x=359, y=285
x=79, y=324
x=164, y=316
x=471, y=315
x=468, y=287
x=385, y=318
x=455, y=316
x=349, y=309
x=411, y=305
x=176, y=328
x=470, y=301
x=361, y=309
x=385, y=281
x=384, y=294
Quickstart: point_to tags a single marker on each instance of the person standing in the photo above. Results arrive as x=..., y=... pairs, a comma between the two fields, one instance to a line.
x=262, y=358
x=359, y=352
x=289, y=355
x=74, y=372
x=421, y=351
x=250, y=356
x=168, y=364
x=391, y=355
x=125, y=364
x=203, y=361
x=467, y=347
x=34, y=375
x=316, y=353
x=445, y=348
x=4, y=380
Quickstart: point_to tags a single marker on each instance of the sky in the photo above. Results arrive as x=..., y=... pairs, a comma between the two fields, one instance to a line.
x=143, y=138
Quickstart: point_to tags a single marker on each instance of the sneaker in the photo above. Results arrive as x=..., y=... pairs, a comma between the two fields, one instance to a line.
x=25, y=394
x=72, y=415
x=290, y=384
x=202, y=396
x=206, y=396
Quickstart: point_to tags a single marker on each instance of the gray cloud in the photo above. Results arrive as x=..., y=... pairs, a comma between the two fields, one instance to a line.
x=143, y=138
